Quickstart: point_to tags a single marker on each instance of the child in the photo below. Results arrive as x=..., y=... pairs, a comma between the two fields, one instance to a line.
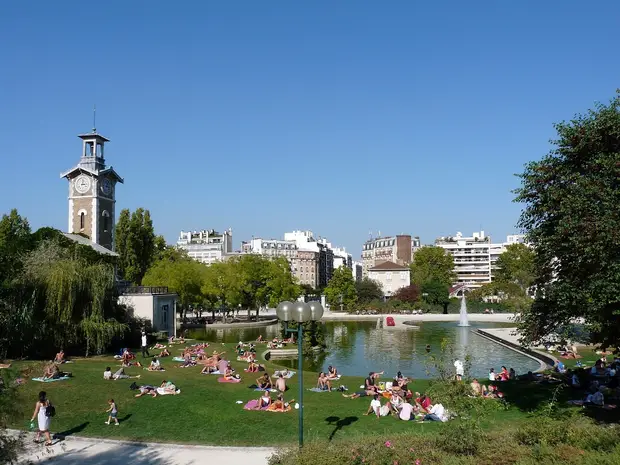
x=113, y=412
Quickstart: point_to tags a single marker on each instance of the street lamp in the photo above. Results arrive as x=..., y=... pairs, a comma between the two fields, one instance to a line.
x=299, y=312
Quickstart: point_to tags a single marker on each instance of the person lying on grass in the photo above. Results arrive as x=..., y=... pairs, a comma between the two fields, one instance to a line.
x=168, y=387
x=120, y=374
x=146, y=390
x=358, y=394
x=264, y=382
x=207, y=370
x=323, y=383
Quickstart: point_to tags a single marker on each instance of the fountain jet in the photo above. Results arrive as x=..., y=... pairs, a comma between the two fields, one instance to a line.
x=463, y=320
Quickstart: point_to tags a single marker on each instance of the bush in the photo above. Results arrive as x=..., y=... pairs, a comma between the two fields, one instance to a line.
x=461, y=437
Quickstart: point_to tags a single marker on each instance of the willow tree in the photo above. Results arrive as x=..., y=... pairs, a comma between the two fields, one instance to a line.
x=572, y=219
x=75, y=295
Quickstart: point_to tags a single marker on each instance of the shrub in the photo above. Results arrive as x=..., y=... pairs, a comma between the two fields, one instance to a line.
x=461, y=437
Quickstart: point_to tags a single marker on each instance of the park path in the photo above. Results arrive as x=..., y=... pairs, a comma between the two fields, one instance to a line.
x=78, y=451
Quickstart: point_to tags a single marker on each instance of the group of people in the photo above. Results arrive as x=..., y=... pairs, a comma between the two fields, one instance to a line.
x=503, y=375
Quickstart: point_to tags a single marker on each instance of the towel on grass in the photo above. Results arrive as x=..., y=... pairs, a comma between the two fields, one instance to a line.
x=50, y=380
x=251, y=405
x=285, y=375
x=316, y=389
x=334, y=378
x=272, y=408
x=224, y=380
x=162, y=392
x=178, y=359
x=154, y=371
x=266, y=390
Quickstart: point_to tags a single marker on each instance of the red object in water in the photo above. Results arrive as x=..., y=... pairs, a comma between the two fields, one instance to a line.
x=389, y=321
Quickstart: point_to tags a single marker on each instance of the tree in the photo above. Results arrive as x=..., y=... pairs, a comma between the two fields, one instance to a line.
x=516, y=265
x=432, y=263
x=571, y=218
x=341, y=286
x=368, y=290
x=135, y=244
x=14, y=239
x=437, y=293
x=409, y=294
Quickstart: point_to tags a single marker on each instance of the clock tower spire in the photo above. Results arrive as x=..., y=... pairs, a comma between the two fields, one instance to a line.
x=92, y=187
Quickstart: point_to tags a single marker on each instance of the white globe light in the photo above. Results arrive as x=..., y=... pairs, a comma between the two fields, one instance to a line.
x=301, y=312
x=317, y=310
x=284, y=311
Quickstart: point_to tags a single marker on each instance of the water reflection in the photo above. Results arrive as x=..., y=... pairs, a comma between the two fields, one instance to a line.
x=358, y=347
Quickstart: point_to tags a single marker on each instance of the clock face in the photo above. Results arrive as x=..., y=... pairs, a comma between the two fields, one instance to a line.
x=106, y=187
x=82, y=184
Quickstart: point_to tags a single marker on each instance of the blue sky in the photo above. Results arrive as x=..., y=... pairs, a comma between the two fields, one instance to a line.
x=341, y=117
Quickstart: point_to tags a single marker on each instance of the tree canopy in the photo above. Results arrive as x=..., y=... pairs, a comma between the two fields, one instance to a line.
x=436, y=293
x=432, y=263
x=571, y=218
x=341, y=284
x=368, y=290
x=136, y=244
x=409, y=294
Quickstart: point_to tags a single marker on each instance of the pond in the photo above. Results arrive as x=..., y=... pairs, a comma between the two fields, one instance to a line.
x=358, y=347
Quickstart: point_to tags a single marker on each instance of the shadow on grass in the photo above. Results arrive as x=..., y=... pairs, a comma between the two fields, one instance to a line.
x=339, y=424
x=69, y=432
x=529, y=396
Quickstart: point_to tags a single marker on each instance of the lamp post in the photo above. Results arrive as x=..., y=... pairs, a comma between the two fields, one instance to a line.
x=299, y=312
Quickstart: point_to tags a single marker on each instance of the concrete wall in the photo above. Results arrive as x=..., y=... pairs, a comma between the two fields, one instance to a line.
x=159, y=309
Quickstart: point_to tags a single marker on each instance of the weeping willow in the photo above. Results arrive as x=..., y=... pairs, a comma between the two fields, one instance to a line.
x=75, y=296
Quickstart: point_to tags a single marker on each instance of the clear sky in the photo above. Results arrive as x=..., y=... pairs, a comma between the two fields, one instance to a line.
x=341, y=117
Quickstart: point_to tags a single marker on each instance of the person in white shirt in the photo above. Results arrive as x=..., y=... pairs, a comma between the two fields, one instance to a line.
x=107, y=374
x=145, y=349
x=436, y=413
x=375, y=406
x=460, y=370
x=406, y=412
x=492, y=375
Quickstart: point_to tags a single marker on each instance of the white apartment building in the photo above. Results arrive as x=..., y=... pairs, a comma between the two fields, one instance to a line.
x=391, y=276
x=206, y=246
x=342, y=257
x=475, y=256
x=395, y=249
x=270, y=247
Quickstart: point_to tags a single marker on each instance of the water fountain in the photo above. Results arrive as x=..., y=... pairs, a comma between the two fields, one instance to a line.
x=463, y=320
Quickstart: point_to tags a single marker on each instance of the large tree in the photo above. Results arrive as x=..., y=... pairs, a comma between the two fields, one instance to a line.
x=516, y=266
x=432, y=263
x=136, y=244
x=436, y=293
x=341, y=289
x=572, y=219
x=14, y=240
x=368, y=290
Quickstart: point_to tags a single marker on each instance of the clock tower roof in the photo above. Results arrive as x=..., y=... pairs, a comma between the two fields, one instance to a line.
x=92, y=161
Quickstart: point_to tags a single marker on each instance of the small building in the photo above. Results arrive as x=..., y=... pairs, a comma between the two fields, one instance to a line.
x=391, y=276
x=394, y=249
x=155, y=304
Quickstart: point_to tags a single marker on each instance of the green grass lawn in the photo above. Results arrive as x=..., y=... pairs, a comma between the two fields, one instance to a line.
x=206, y=411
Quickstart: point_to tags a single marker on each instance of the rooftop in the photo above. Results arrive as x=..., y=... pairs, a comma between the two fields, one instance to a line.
x=388, y=266
x=86, y=241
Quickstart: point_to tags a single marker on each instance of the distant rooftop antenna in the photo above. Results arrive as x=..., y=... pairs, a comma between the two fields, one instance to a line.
x=94, y=118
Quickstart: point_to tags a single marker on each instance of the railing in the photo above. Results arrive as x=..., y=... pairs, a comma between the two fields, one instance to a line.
x=143, y=290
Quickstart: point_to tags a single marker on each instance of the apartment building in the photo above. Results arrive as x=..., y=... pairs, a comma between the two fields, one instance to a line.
x=342, y=257
x=475, y=256
x=306, y=240
x=356, y=270
x=395, y=249
x=206, y=246
x=390, y=276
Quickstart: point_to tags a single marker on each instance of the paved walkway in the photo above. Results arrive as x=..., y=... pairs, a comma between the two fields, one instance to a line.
x=83, y=451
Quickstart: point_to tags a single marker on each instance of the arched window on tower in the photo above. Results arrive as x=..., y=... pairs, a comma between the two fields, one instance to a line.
x=82, y=215
x=106, y=220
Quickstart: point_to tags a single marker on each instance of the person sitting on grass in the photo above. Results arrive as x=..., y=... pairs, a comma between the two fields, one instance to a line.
x=407, y=412
x=107, y=374
x=375, y=406
x=423, y=402
x=168, y=387
x=60, y=357
x=264, y=401
x=332, y=373
x=476, y=388
x=323, y=383
x=279, y=405
x=229, y=374
x=264, y=382
x=164, y=353
x=436, y=413
x=281, y=383
x=51, y=371
x=239, y=349
x=396, y=402
x=252, y=367
x=155, y=365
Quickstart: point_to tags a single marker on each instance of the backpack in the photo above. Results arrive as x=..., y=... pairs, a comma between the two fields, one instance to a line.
x=50, y=410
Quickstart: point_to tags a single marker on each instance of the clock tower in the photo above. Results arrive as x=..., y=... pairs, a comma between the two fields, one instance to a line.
x=92, y=189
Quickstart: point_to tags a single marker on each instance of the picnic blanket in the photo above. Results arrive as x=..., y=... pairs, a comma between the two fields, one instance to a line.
x=316, y=389
x=162, y=392
x=272, y=408
x=225, y=380
x=50, y=380
x=265, y=390
x=178, y=359
x=285, y=374
x=251, y=405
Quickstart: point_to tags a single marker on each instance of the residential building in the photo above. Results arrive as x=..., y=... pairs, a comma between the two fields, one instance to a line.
x=271, y=248
x=206, y=246
x=474, y=256
x=416, y=244
x=395, y=249
x=158, y=305
x=356, y=269
x=305, y=267
x=391, y=276
x=342, y=257
x=305, y=240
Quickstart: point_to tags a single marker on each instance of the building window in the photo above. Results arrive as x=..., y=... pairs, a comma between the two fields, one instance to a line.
x=82, y=215
x=164, y=315
x=106, y=220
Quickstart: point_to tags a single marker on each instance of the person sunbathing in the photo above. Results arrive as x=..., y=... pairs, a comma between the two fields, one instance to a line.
x=60, y=357
x=164, y=353
x=155, y=365
x=264, y=401
x=253, y=367
x=279, y=405
x=168, y=387
x=158, y=346
x=229, y=374
x=396, y=402
x=51, y=371
x=208, y=369
x=359, y=394
x=332, y=373
x=147, y=390
x=476, y=388
x=120, y=374
x=323, y=383
x=281, y=383
x=264, y=382
x=260, y=338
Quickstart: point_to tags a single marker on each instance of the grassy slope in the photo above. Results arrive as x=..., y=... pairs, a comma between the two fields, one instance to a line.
x=206, y=411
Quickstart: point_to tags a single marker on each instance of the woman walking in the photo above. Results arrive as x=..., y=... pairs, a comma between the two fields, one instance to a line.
x=44, y=420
